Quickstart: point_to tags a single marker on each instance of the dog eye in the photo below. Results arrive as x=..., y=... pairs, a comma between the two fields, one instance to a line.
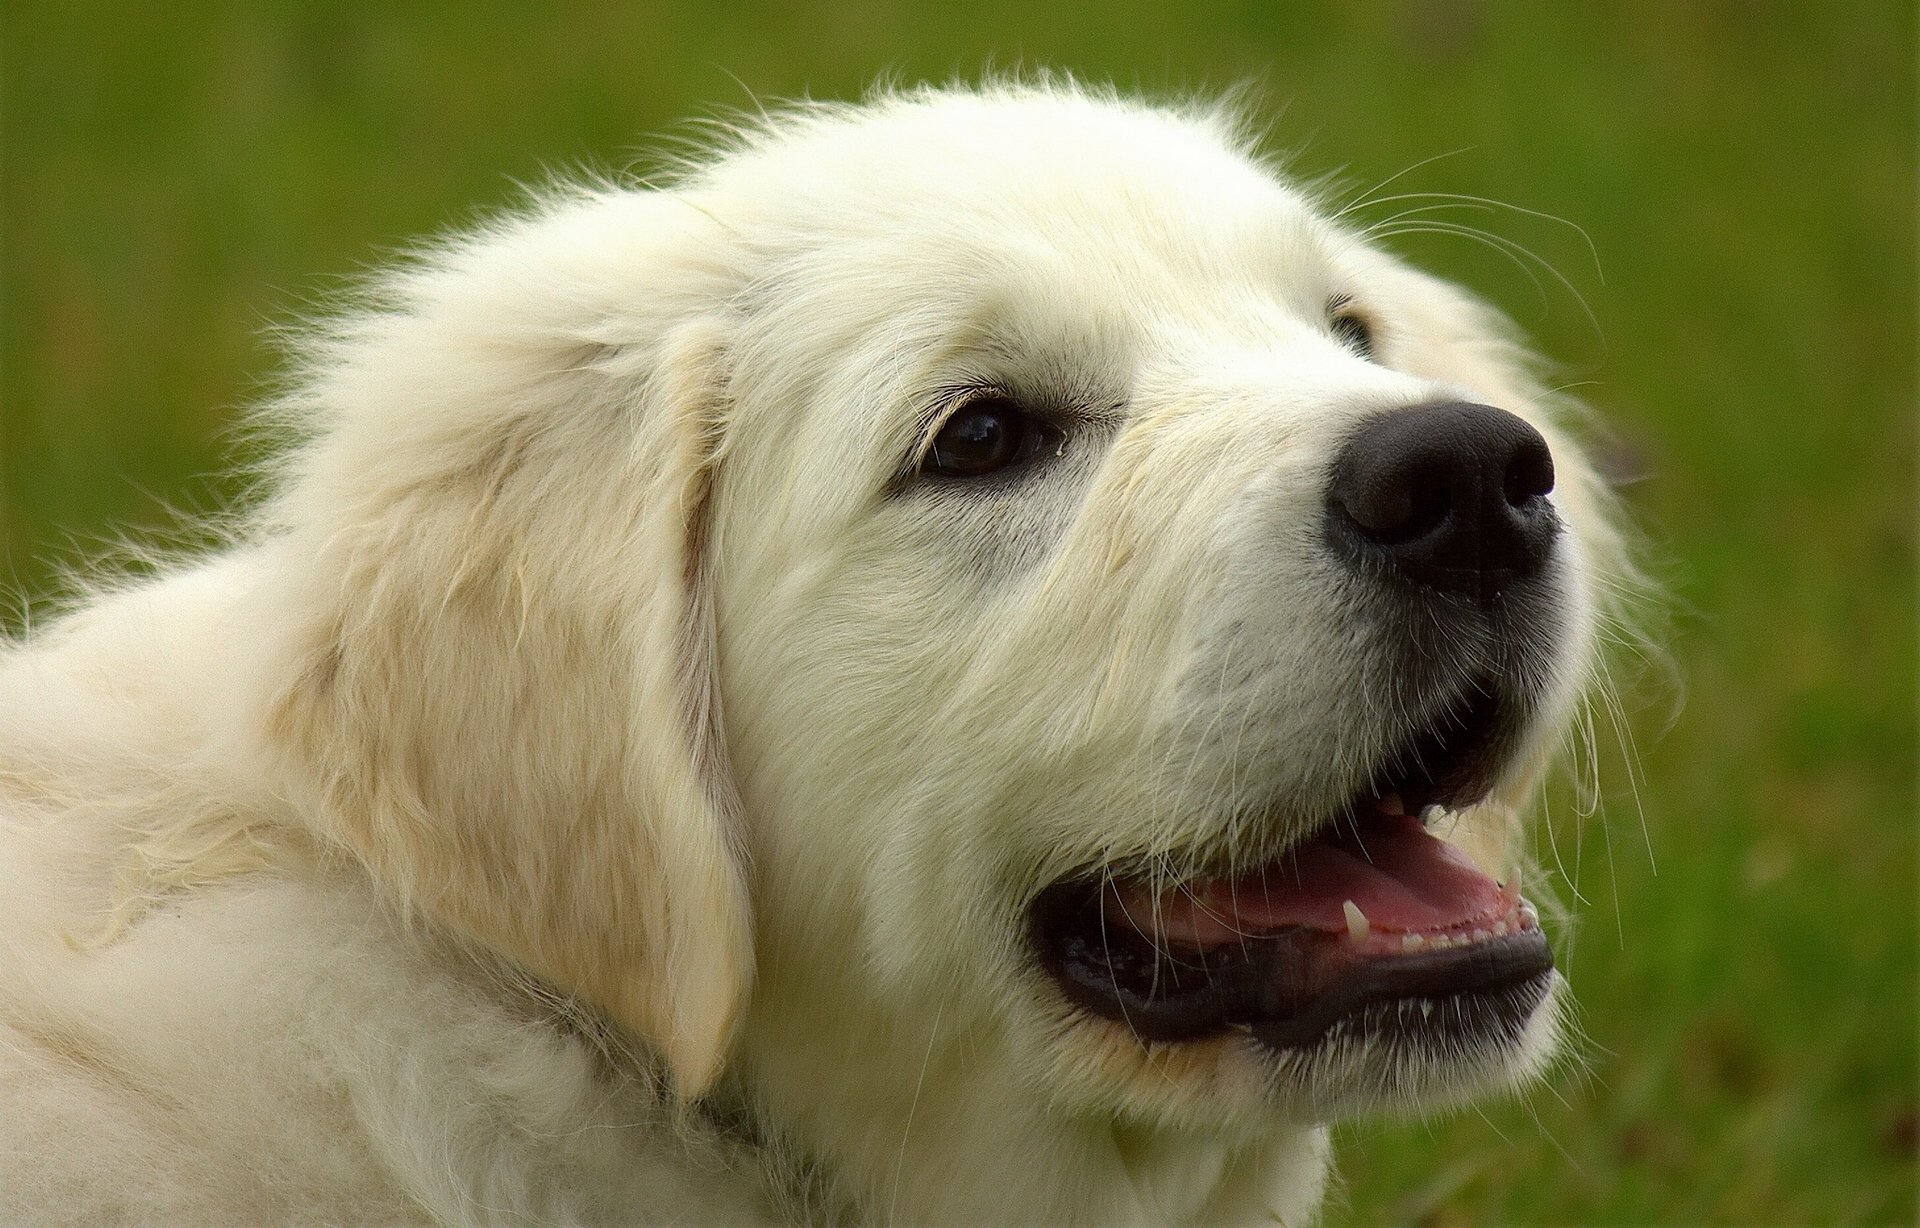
x=987, y=435
x=1352, y=330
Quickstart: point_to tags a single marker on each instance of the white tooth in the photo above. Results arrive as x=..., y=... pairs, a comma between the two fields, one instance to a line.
x=1528, y=917
x=1432, y=813
x=1389, y=803
x=1412, y=942
x=1356, y=920
x=1479, y=935
x=1439, y=942
x=1499, y=929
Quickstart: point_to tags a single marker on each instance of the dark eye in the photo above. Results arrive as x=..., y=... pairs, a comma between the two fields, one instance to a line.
x=1352, y=331
x=987, y=435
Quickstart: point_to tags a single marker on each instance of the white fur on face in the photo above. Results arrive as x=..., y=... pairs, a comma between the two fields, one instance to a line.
x=607, y=625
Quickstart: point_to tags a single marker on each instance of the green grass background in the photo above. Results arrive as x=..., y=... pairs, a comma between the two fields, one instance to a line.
x=176, y=177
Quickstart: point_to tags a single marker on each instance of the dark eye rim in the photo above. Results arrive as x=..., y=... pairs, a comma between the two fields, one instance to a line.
x=1039, y=437
x=1352, y=327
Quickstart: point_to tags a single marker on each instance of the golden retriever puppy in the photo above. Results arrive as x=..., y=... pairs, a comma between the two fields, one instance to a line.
x=916, y=675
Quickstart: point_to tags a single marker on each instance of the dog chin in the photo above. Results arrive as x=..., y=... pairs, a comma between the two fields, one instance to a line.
x=1412, y=1057
x=1411, y=1078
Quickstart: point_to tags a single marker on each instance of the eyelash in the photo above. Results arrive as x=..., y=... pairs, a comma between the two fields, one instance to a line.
x=1021, y=439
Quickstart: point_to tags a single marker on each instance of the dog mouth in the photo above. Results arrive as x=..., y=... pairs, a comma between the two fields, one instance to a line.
x=1372, y=924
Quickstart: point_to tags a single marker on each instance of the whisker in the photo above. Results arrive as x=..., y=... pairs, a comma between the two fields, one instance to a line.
x=906, y=1131
x=1384, y=224
x=1629, y=752
x=1516, y=252
x=1489, y=203
x=1370, y=197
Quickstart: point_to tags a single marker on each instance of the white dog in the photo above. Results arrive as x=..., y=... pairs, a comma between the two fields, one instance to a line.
x=904, y=678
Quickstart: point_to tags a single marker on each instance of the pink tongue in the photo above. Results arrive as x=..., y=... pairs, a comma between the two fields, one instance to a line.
x=1402, y=878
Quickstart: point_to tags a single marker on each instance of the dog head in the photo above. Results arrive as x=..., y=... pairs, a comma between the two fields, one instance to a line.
x=1069, y=584
x=1117, y=559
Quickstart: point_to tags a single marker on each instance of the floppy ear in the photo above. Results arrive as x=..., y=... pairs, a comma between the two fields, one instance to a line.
x=497, y=685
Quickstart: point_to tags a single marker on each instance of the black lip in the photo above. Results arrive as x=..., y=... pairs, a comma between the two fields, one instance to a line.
x=1455, y=755
x=1288, y=987
x=1503, y=978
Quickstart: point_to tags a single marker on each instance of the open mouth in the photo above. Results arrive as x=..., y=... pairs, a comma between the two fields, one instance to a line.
x=1372, y=921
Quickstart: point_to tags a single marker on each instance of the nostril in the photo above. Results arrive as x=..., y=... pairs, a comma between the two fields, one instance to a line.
x=1429, y=504
x=1529, y=474
x=1396, y=506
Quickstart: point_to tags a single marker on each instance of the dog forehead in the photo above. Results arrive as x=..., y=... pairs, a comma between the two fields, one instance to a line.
x=936, y=188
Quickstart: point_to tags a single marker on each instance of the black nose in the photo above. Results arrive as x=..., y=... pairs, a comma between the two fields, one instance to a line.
x=1449, y=496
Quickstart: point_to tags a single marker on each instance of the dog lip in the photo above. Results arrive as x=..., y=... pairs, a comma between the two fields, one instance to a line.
x=1492, y=984
x=1288, y=988
x=1453, y=756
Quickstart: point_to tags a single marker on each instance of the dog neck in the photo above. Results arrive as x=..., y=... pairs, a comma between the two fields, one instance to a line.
x=957, y=1149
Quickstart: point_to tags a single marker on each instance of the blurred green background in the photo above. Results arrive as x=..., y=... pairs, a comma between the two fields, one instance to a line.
x=175, y=178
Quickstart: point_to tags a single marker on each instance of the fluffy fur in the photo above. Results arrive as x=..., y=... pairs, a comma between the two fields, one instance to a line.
x=601, y=783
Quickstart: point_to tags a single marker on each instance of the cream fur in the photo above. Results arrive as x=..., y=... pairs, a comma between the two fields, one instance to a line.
x=595, y=788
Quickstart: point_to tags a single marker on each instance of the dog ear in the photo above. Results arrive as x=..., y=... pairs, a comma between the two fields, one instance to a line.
x=497, y=689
